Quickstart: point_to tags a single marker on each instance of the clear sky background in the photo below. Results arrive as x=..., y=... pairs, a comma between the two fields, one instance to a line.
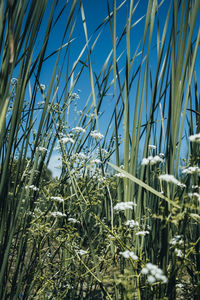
x=95, y=12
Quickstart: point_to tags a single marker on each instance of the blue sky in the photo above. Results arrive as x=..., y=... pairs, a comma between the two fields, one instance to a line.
x=95, y=13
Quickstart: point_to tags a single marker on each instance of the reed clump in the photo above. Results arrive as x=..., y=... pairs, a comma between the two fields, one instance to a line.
x=121, y=218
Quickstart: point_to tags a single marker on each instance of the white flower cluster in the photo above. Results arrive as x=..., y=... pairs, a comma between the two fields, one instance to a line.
x=176, y=240
x=120, y=175
x=96, y=135
x=96, y=161
x=144, y=232
x=78, y=129
x=58, y=214
x=32, y=187
x=101, y=179
x=74, y=96
x=81, y=252
x=172, y=179
x=195, y=186
x=153, y=273
x=131, y=223
x=66, y=140
x=73, y=220
x=41, y=103
x=152, y=160
x=153, y=147
x=195, y=138
x=129, y=254
x=42, y=86
x=191, y=170
x=42, y=149
x=124, y=205
x=58, y=199
x=179, y=253
x=194, y=195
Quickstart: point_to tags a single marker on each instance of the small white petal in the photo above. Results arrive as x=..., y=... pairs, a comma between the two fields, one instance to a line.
x=152, y=147
x=96, y=135
x=151, y=279
x=144, y=271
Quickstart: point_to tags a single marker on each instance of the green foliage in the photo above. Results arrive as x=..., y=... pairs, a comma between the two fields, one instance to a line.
x=93, y=234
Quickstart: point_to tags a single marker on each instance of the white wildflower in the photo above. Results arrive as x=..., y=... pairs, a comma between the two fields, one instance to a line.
x=153, y=147
x=161, y=278
x=152, y=160
x=58, y=199
x=96, y=161
x=42, y=149
x=78, y=129
x=195, y=186
x=41, y=102
x=57, y=214
x=96, y=135
x=145, y=271
x=151, y=267
x=74, y=96
x=194, y=195
x=42, y=86
x=176, y=240
x=81, y=252
x=101, y=179
x=32, y=187
x=191, y=170
x=145, y=161
x=179, y=253
x=132, y=223
x=73, y=220
x=162, y=155
x=144, y=232
x=66, y=140
x=154, y=273
x=172, y=179
x=155, y=160
x=120, y=175
x=195, y=138
x=151, y=279
x=124, y=205
x=180, y=285
x=129, y=254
